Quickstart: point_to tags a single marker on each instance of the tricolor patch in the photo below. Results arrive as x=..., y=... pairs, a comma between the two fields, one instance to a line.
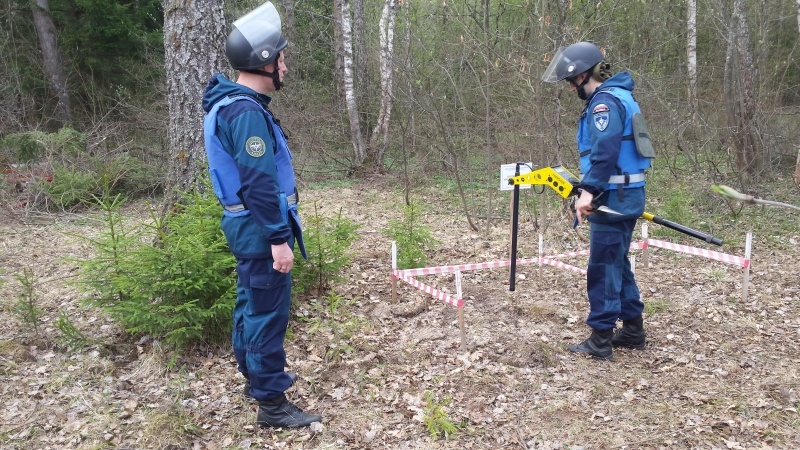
x=600, y=113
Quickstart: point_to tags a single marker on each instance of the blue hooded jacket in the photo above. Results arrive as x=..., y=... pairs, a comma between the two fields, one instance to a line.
x=602, y=126
x=254, y=148
x=606, y=150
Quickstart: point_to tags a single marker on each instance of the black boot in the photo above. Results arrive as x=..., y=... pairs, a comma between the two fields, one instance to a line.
x=246, y=391
x=631, y=335
x=598, y=345
x=279, y=412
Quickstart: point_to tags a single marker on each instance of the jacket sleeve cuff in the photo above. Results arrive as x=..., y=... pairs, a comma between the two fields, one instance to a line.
x=278, y=236
x=591, y=189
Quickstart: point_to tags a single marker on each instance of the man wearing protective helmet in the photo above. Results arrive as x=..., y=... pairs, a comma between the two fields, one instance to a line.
x=252, y=175
x=613, y=174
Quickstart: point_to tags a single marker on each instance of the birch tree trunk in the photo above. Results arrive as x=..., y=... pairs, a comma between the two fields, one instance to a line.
x=344, y=50
x=379, y=141
x=487, y=119
x=796, y=176
x=360, y=58
x=194, y=38
x=691, y=53
x=409, y=132
x=338, y=48
x=51, y=59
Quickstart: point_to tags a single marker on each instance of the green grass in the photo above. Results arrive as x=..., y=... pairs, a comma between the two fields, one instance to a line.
x=677, y=190
x=688, y=200
x=718, y=274
x=336, y=183
x=652, y=307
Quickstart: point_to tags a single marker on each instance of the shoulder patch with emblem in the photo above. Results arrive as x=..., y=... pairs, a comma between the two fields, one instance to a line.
x=600, y=112
x=255, y=147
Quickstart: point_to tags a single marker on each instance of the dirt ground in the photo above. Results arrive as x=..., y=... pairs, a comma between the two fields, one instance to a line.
x=719, y=372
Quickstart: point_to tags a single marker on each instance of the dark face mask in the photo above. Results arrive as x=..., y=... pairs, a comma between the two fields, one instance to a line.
x=580, y=88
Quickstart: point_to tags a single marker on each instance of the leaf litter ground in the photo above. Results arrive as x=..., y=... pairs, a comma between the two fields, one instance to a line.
x=718, y=372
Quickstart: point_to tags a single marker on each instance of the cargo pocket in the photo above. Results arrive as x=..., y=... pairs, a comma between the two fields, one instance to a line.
x=604, y=246
x=604, y=271
x=269, y=291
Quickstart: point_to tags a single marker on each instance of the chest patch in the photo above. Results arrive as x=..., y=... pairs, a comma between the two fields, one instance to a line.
x=255, y=147
x=600, y=115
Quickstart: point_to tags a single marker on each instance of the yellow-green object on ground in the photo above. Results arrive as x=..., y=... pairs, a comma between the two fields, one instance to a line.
x=732, y=194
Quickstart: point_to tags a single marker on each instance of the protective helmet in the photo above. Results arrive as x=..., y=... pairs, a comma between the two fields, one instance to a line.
x=256, y=38
x=572, y=61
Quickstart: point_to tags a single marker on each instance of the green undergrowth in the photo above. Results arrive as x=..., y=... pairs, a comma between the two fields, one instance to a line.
x=414, y=239
x=327, y=242
x=173, y=277
x=63, y=171
x=170, y=277
x=688, y=200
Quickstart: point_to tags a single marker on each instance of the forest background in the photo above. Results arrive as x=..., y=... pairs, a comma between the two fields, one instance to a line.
x=414, y=103
x=417, y=88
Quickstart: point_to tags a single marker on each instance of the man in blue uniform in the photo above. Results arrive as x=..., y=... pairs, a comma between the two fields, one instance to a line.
x=613, y=174
x=252, y=175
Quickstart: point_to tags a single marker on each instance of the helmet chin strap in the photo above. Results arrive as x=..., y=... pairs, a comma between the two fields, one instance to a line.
x=275, y=76
x=582, y=87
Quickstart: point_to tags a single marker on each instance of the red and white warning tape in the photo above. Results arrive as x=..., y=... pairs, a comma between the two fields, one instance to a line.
x=561, y=265
x=443, y=296
x=408, y=274
x=451, y=269
x=723, y=257
x=566, y=255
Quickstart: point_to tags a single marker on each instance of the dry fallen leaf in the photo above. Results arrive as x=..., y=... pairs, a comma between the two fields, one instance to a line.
x=515, y=383
x=72, y=427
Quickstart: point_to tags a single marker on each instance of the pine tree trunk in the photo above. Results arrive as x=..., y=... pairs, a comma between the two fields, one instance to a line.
x=194, y=40
x=288, y=30
x=51, y=58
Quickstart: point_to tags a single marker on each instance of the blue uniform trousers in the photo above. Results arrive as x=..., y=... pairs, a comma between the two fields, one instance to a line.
x=610, y=283
x=260, y=319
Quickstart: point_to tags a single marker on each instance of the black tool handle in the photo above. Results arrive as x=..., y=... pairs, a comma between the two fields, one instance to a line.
x=683, y=229
x=514, y=228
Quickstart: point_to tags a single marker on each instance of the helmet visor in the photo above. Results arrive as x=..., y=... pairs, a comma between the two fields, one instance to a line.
x=560, y=67
x=262, y=24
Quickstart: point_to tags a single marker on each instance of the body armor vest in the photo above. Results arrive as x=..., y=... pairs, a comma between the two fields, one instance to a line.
x=630, y=161
x=223, y=169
